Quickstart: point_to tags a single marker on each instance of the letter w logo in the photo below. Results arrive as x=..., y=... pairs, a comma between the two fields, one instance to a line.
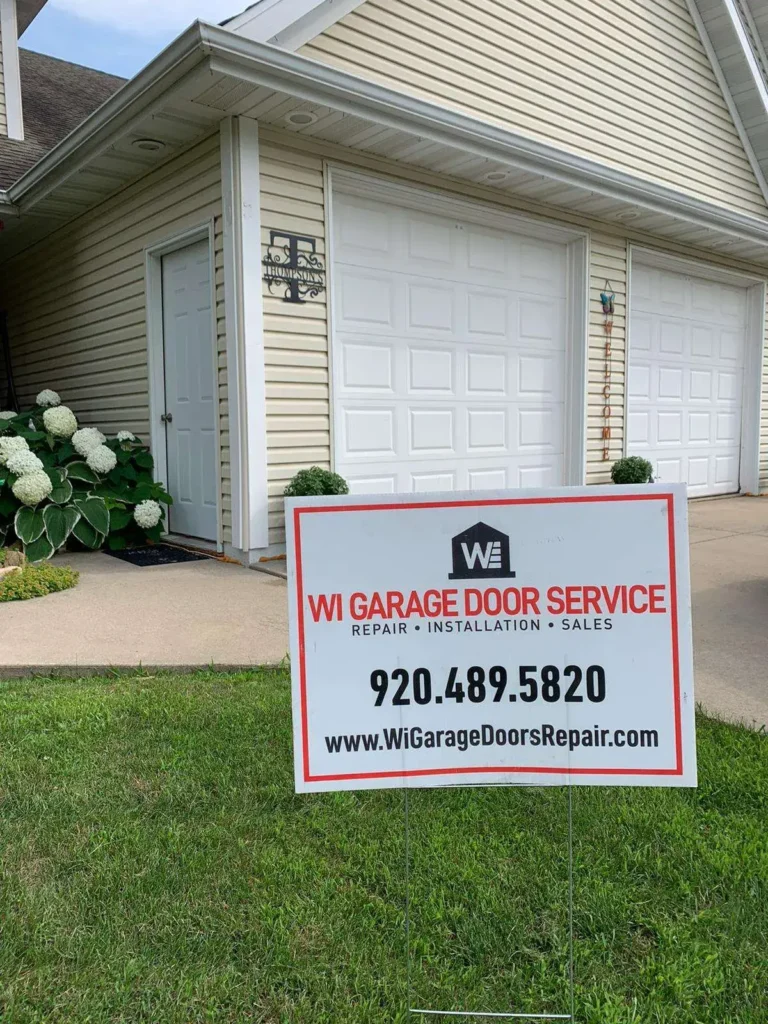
x=488, y=557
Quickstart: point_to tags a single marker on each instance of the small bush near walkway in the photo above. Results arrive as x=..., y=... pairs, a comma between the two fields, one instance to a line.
x=36, y=581
x=157, y=868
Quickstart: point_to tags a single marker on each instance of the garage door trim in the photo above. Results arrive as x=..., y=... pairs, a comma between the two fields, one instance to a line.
x=749, y=474
x=432, y=200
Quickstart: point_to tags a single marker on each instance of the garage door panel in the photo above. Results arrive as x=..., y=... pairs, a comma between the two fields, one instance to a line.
x=367, y=367
x=686, y=378
x=487, y=374
x=672, y=336
x=431, y=371
x=488, y=430
x=432, y=431
x=452, y=381
x=430, y=307
x=366, y=300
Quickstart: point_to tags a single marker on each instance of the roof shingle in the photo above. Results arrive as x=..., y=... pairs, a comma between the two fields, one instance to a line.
x=56, y=97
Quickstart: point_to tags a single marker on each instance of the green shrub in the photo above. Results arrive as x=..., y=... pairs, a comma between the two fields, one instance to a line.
x=62, y=486
x=36, y=581
x=632, y=470
x=316, y=481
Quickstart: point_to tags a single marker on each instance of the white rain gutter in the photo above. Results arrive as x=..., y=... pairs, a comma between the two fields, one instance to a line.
x=266, y=65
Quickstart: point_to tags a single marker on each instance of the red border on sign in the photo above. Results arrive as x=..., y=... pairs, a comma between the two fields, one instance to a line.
x=496, y=770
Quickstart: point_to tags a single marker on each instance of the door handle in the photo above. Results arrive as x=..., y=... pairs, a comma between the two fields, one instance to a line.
x=167, y=417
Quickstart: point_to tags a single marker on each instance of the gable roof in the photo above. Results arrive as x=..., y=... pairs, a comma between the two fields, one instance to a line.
x=57, y=96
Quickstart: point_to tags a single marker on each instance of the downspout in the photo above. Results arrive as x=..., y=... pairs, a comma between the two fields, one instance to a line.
x=11, y=398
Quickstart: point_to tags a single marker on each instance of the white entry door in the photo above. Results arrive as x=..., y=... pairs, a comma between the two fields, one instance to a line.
x=687, y=351
x=190, y=407
x=448, y=352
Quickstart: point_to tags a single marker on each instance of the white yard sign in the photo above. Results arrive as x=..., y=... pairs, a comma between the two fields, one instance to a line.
x=526, y=637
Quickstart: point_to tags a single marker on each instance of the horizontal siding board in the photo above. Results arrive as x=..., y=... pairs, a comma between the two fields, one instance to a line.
x=76, y=302
x=651, y=105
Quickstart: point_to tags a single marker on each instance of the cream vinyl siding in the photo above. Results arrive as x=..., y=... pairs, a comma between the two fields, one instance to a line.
x=77, y=307
x=625, y=82
x=3, y=115
x=296, y=337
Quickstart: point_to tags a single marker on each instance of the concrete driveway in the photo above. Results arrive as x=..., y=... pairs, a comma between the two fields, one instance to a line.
x=729, y=577
x=214, y=613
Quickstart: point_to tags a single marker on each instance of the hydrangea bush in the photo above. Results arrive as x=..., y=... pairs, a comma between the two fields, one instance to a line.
x=62, y=485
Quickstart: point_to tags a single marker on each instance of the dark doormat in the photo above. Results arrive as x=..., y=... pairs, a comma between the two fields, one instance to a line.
x=157, y=554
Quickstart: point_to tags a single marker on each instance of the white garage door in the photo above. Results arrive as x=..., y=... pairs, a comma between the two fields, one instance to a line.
x=448, y=352
x=686, y=378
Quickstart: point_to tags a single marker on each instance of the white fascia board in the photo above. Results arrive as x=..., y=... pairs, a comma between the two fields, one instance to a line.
x=290, y=23
x=319, y=83
x=746, y=47
x=9, y=33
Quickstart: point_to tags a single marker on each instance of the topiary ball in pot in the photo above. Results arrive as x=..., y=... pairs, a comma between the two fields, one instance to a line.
x=316, y=481
x=632, y=470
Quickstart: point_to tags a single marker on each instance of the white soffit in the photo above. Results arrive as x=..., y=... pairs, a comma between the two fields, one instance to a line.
x=210, y=73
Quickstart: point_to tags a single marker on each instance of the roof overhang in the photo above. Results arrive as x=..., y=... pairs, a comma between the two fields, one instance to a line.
x=210, y=73
x=27, y=11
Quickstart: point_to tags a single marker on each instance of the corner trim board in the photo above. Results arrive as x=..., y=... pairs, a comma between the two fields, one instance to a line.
x=244, y=312
x=11, y=72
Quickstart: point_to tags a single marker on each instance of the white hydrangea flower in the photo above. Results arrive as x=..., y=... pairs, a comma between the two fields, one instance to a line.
x=85, y=440
x=101, y=459
x=23, y=462
x=125, y=435
x=60, y=421
x=9, y=415
x=47, y=399
x=147, y=514
x=9, y=446
x=33, y=488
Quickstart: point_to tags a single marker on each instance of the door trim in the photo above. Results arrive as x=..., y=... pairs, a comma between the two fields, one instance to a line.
x=153, y=256
x=577, y=242
x=755, y=287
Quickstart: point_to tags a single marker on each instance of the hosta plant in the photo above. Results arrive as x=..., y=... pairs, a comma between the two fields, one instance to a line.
x=62, y=485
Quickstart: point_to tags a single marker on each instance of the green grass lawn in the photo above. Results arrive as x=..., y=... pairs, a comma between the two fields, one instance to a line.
x=156, y=866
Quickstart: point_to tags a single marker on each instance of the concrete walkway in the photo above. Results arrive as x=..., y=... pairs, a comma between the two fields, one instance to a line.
x=209, y=612
x=192, y=613
x=729, y=578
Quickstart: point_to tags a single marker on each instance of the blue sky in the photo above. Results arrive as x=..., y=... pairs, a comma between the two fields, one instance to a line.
x=119, y=36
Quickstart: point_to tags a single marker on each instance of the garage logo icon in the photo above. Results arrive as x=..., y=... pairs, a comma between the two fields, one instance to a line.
x=481, y=553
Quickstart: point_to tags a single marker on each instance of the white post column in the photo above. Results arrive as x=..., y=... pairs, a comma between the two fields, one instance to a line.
x=241, y=195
